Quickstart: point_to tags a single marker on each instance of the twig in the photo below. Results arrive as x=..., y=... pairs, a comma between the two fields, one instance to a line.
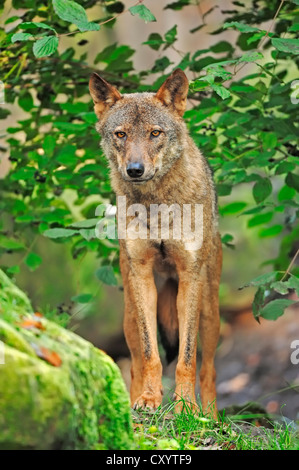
x=290, y=266
x=271, y=25
x=266, y=35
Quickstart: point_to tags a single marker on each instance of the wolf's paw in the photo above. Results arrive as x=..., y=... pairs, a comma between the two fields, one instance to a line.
x=148, y=401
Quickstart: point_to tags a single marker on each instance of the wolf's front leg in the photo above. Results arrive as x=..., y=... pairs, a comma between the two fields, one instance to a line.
x=140, y=327
x=188, y=306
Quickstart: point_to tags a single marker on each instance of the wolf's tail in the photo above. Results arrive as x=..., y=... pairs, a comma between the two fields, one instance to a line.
x=168, y=319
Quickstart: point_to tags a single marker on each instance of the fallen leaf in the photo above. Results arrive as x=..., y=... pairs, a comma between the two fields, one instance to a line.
x=31, y=323
x=38, y=314
x=229, y=445
x=137, y=426
x=49, y=356
x=235, y=384
x=272, y=406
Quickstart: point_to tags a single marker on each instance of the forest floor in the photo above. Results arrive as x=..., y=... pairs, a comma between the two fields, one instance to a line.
x=257, y=387
x=257, y=390
x=253, y=364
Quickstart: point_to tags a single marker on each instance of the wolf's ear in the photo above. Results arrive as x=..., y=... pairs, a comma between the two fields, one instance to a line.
x=173, y=93
x=103, y=94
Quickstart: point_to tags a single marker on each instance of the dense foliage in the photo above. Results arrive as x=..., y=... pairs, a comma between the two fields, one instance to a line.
x=246, y=125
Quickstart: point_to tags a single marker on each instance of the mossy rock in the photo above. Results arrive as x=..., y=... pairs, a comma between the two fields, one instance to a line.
x=57, y=391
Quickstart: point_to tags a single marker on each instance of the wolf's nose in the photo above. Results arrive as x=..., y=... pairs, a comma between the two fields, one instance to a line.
x=135, y=170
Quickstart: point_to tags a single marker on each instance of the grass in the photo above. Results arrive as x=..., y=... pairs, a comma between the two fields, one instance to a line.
x=164, y=429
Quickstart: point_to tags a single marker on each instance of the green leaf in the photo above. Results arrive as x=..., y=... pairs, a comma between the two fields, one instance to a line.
x=33, y=261
x=254, y=210
x=154, y=41
x=223, y=189
x=232, y=208
x=286, y=45
x=25, y=173
x=71, y=127
x=13, y=269
x=293, y=283
x=177, y=5
x=275, y=308
x=261, y=190
x=260, y=219
x=286, y=193
x=104, y=55
x=34, y=24
x=21, y=37
x=269, y=140
x=292, y=181
x=217, y=70
x=106, y=275
x=221, y=91
x=75, y=108
x=45, y=46
x=11, y=19
x=280, y=287
x=242, y=88
x=26, y=101
x=170, y=35
x=243, y=28
x=82, y=298
x=262, y=280
x=24, y=219
x=294, y=27
x=258, y=302
x=227, y=239
x=74, y=13
x=251, y=56
x=143, y=12
x=67, y=155
x=199, y=84
x=271, y=231
x=49, y=145
x=88, y=233
x=222, y=46
x=90, y=26
x=9, y=244
x=87, y=223
x=256, y=37
x=59, y=233
x=284, y=167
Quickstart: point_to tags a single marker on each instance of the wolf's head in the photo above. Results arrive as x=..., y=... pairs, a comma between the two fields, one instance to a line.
x=142, y=133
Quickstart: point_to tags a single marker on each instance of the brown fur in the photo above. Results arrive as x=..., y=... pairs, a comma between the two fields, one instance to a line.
x=161, y=275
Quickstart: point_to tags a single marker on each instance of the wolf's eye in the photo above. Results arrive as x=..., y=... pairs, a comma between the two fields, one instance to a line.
x=120, y=134
x=155, y=133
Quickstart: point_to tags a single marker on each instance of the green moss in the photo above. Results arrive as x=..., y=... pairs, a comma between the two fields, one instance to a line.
x=80, y=404
x=12, y=337
x=11, y=297
x=115, y=405
x=35, y=404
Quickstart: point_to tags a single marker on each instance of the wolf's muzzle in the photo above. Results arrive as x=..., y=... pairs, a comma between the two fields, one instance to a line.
x=135, y=170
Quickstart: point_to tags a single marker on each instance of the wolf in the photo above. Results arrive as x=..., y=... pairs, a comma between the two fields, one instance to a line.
x=153, y=161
